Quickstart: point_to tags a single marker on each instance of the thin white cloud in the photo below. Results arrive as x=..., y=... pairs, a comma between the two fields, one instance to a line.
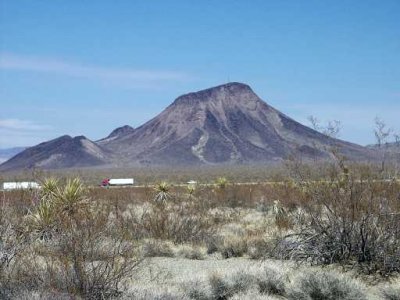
x=21, y=125
x=72, y=69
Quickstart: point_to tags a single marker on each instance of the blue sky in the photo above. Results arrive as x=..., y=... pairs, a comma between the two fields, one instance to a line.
x=87, y=67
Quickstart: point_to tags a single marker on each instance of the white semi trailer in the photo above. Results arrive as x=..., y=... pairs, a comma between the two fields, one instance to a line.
x=22, y=185
x=117, y=182
x=121, y=181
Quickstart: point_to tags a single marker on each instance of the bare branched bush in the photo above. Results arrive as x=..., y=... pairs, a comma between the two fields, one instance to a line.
x=349, y=220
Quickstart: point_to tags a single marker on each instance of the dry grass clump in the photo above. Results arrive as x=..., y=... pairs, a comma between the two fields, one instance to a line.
x=246, y=233
x=232, y=246
x=154, y=293
x=274, y=283
x=259, y=247
x=390, y=292
x=43, y=295
x=254, y=295
x=322, y=285
x=157, y=248
x=190, y=252
x=265, y=281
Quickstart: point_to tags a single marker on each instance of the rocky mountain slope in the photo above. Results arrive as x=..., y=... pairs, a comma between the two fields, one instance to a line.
x=227, y=124
x=224, y=124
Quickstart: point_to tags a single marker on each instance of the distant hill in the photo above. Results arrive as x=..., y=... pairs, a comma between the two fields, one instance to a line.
x=7, y=153
x=62, y=152
x=393, y=147
x=226, y=124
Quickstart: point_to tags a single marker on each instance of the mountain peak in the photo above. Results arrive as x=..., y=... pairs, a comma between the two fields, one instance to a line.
x=228, y=90
x=121, y=131
x=79, y=138
x=117, y=133
x=233, y=86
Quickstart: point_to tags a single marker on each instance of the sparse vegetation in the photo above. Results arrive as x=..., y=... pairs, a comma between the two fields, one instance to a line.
x=65, y=244
x=74, y=240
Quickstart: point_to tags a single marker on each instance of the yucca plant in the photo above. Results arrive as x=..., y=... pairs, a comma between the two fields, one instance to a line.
x=191, y=188
x=221, y=182
x=49, y=188
x=55, y=202
x=281, y=215
x=162, y=192
x=42, y=220
x=71, y=198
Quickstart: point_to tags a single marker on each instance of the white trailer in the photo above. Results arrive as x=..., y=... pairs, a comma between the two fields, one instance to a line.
x=23, y=185
x=121, y=181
